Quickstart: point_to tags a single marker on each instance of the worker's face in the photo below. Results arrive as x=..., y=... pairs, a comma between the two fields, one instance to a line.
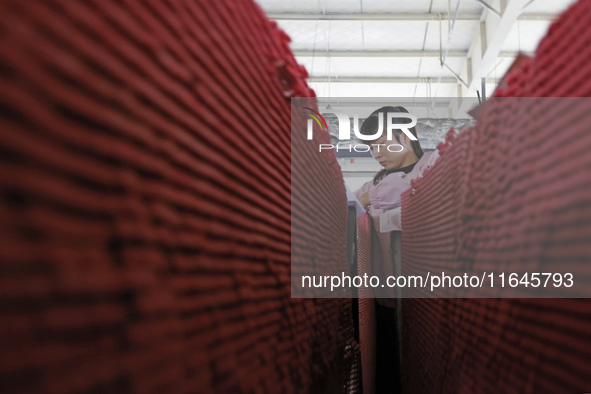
x=391, y=154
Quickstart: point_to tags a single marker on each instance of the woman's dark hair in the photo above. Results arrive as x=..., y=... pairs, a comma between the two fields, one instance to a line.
x=370, y=127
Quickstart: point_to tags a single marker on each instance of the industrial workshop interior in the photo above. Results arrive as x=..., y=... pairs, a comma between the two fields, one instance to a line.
x=312, y=196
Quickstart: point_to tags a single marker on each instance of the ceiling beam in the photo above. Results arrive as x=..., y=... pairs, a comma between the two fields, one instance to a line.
x=379, y=79
x=485, y=49
x=386, y=16
x=414, y=54
x=364, y=16
x=318, y=53
x=418, y=101
x=488, y=6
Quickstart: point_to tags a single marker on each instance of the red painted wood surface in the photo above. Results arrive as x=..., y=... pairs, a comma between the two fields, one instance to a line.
x=145, y=203
x=501, y=197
